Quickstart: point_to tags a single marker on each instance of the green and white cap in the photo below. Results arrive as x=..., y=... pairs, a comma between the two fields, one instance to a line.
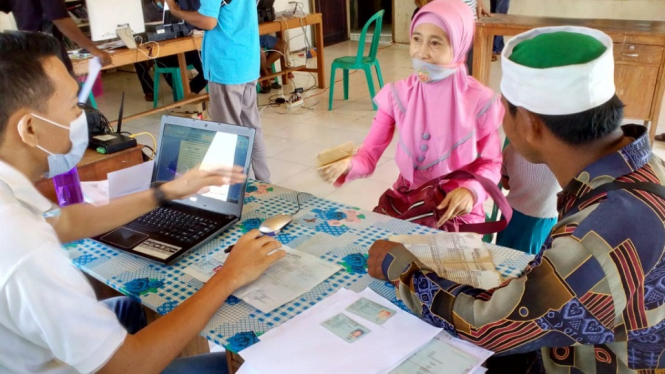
x=558, y=70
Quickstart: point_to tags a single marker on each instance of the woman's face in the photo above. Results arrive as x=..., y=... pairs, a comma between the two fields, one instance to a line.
x=430, y=43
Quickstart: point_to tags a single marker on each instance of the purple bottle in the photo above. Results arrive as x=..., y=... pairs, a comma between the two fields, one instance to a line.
x=68, y=188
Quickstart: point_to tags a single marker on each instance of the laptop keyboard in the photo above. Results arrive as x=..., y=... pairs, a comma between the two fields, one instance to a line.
x=174, y=224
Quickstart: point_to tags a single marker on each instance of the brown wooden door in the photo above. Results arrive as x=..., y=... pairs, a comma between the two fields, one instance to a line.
x=335, y=28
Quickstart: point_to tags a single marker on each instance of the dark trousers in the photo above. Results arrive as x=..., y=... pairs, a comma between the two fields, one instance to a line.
x=131, y=317
x=192, y=57
x=501, y=7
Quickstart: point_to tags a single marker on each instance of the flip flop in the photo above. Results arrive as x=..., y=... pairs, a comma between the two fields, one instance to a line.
x=660, y=137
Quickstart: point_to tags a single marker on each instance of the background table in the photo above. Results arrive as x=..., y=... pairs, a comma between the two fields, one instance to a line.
x=638, y=55
x=125, y=56
x=329, y=230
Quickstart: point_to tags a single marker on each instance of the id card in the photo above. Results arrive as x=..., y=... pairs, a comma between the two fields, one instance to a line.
x=371, y=311
x=346, y=328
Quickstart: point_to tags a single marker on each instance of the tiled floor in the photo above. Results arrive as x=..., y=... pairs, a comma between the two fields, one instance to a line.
x=293, y=139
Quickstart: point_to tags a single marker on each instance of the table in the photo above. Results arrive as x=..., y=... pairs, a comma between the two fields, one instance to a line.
x=179, y=46
x=329, y=230
x=95, y=166
x=638, y=55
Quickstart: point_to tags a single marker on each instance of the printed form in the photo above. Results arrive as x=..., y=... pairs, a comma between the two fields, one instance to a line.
x=460, y=257
x=290, y=277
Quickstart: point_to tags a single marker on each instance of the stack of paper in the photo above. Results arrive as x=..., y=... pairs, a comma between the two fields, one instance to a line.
x=460, y=257
x=120, y=183
x=290, y=277
x=346, y=333
x=445, y=354
x=335, y=154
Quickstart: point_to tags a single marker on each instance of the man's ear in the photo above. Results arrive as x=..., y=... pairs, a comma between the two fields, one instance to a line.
x=26, y=130
x=533, y=126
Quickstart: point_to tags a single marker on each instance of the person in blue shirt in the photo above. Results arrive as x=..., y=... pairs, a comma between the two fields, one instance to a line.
x=231, y=64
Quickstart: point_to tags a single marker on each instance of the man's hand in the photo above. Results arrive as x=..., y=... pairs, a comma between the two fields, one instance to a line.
x=250, y=257
x=104, y=57
x=457, y=203
x=482, y=11
x=197, y=181
x=377, y=253
x=331, y=172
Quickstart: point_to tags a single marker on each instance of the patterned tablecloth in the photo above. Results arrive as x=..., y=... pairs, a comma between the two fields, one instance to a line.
x=332, y=231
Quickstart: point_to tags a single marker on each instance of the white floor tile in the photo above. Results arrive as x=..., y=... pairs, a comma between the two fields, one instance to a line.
x=361, y=193
x=310, y=182
x=282, y=170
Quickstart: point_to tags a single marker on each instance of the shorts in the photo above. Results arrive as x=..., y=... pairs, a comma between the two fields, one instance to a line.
x=267, y=41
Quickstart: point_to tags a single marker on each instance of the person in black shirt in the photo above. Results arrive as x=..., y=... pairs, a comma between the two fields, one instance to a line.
x=51, y=17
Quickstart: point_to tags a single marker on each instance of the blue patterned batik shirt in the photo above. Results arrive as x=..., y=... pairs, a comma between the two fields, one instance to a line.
x=592, y=300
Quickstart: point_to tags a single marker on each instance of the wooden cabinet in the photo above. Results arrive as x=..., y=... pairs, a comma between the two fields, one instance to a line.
x=639, y=54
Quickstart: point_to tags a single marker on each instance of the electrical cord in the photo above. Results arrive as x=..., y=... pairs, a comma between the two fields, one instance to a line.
x=298, y=201
x=154, y=141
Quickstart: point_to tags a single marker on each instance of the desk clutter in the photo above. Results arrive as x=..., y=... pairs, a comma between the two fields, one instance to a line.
x=333, y=234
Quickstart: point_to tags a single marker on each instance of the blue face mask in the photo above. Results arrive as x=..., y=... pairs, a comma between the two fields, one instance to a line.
x=78, y=135
x=429, y=73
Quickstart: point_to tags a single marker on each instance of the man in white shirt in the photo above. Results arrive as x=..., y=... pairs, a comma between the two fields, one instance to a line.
x=50, y=321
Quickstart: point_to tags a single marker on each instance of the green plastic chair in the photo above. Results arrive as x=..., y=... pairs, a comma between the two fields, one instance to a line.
x=359, y=61
x=495, y=209
x=176, y=81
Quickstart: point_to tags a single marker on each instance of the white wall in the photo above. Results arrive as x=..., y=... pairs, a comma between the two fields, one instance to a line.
x=296, y=35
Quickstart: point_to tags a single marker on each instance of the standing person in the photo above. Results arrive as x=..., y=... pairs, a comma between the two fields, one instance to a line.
x=153, y=11
x=51, y=17
x=445, y=119
x=231, y=62
x=592, y=301
x=500, y=7
x=532, y=195
x=51, y=321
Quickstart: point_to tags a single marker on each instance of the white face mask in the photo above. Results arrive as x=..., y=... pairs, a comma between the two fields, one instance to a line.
x=78, y=135
x=429, y=73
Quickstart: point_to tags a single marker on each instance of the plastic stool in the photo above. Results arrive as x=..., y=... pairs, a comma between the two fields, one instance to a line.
x=176, y=82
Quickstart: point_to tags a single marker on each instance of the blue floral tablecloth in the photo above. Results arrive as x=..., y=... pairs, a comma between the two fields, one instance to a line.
x=329, y=230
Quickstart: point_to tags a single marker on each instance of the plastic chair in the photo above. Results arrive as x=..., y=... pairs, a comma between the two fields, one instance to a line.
x=495, y=209
x=176, y=82
x=359, y=61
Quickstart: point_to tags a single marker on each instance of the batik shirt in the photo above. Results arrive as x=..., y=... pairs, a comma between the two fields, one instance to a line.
x=592, y=300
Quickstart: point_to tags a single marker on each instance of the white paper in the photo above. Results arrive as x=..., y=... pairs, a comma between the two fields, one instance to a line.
x=460, y=257
x=290, y=277
x=445, y=354
x=222, y=152
x=94, y=67
x=96, y=193
x=302, y=345
x=130, y=180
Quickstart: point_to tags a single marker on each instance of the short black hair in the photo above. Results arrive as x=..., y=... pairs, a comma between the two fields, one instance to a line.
x=23, y=80
x=584, y=127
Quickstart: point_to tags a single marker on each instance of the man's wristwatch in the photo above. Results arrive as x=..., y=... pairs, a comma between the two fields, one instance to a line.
x=159, y=194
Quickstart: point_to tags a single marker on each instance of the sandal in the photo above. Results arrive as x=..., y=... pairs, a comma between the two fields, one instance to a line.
x=660, y=137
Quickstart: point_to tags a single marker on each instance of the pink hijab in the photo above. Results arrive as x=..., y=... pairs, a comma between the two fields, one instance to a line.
x=440, y=117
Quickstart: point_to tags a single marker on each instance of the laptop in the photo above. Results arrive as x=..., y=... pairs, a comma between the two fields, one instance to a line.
x=167, y=233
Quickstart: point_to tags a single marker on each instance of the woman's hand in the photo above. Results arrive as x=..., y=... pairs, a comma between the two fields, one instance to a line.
x=457, y=202
x=331, y=172
x=482, y=11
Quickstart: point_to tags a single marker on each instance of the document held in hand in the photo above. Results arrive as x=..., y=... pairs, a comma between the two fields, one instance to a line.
x=460, y=257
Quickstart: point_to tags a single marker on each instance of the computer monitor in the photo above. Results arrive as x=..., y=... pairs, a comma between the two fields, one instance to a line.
x=106, y=16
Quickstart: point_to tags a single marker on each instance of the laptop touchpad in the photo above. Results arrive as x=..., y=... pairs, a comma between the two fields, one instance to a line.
x=124, y=238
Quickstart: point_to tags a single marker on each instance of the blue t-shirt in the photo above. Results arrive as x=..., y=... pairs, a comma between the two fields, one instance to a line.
x=231, y=52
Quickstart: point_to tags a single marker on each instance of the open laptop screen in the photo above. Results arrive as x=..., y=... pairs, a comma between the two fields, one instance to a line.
x=184, y=148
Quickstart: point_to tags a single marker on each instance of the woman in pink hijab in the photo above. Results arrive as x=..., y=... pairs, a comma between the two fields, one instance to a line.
x=445, y=119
